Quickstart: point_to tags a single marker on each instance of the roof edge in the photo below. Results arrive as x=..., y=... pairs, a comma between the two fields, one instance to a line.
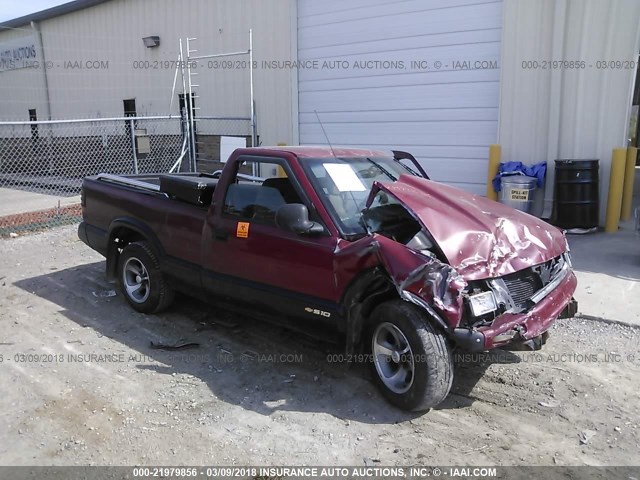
x=50, y=13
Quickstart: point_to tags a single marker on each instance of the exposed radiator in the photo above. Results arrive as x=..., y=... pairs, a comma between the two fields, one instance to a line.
x=523, y=285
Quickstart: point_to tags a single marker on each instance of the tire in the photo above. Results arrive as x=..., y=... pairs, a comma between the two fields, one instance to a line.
x=141, y=280
x=411, y=360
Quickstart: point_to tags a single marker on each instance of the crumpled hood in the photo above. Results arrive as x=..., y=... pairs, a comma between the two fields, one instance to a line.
x=480, y=238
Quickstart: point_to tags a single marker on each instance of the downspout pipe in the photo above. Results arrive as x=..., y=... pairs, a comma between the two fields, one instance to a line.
x=43, y=66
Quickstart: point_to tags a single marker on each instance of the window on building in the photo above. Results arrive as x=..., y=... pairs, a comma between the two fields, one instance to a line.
x=33, y=117
x=129, y=105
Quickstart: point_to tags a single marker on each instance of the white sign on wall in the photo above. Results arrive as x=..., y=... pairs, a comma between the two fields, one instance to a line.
x=18, y=53
x=229, y=144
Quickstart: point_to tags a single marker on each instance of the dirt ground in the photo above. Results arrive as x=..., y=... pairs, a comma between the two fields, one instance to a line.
x=81, y=384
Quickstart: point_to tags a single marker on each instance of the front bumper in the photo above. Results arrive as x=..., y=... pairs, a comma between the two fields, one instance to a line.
x=520, y=327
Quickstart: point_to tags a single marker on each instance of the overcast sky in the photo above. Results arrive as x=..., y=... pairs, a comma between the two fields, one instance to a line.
x=10, y=9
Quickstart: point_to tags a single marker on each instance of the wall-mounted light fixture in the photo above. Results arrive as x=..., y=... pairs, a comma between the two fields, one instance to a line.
x=151, y=42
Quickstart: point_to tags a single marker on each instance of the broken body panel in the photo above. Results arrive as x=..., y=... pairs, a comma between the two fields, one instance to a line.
x=475, y=241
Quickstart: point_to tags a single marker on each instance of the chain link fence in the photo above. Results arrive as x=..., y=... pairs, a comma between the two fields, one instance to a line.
x=53, y=157
x=208, y=138
x=42, y=163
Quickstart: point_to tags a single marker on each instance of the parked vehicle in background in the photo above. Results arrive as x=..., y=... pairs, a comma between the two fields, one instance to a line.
x=355, y=242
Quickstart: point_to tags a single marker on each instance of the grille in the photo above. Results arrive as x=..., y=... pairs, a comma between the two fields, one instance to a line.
x=523, y=285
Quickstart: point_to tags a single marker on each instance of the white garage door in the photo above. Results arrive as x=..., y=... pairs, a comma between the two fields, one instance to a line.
x=416, y=75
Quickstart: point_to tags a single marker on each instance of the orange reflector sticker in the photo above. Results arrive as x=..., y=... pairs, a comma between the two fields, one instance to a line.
x=242, y=230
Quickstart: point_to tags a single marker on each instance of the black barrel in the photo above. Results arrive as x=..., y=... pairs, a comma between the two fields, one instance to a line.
x=576, y=196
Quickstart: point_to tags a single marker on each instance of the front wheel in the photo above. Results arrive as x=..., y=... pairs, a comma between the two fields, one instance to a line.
x=411, y=360
x=141, y=280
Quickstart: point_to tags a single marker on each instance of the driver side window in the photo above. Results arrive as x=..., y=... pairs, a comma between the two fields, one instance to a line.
x=258, y=191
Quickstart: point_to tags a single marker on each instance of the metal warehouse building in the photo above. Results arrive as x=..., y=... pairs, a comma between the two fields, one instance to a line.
x=443, y=79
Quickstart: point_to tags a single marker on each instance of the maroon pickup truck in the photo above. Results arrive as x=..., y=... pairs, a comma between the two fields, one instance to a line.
x=358, y=242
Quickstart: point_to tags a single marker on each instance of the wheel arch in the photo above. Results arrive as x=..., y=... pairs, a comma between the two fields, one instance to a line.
x=125, y=230
x=370, y=289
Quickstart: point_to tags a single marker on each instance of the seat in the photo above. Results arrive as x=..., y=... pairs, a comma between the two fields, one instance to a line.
x=268, y=201
x=285, y=187
x=333, y=194
x=253, y=202
x=239, y=198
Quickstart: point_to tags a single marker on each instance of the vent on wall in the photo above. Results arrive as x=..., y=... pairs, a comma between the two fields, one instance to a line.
x=151, y=42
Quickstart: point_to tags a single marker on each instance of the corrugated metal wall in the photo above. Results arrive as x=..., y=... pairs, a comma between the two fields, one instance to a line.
x=544, y=114
x=23, y=88
x=112, y=32
x=446, y=115
x=558, y=111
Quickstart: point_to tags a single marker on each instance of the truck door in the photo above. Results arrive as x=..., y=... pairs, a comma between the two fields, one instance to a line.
x=248, y=259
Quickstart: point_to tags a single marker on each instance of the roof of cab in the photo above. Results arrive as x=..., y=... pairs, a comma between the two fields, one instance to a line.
x=322, y=151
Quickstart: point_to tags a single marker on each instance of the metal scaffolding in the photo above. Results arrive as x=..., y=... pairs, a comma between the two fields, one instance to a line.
x=189, y=85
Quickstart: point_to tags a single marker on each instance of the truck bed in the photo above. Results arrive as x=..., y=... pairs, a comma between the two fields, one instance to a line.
x=193, y=188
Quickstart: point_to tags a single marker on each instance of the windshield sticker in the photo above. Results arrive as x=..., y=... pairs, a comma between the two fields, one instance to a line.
x=242, y=230
x=344, y=177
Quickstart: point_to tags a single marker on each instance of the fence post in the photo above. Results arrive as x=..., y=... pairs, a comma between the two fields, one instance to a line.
x=133, y=146
x=50, y=150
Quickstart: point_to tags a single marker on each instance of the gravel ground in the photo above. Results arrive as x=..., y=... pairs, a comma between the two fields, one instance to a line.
x=82, y=385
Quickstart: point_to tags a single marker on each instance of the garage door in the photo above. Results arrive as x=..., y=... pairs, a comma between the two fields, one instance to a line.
x=417, y=75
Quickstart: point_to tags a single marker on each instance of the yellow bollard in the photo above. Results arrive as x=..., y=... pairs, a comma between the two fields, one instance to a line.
x=616, y=182
x=494, y=163
x=629, y=178
x=279, y=170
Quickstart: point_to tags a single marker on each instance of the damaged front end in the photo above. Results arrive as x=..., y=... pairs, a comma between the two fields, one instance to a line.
x=525, y=305
x=488, y=282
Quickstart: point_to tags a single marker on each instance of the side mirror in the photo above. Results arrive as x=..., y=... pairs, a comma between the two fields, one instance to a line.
x=294, y=217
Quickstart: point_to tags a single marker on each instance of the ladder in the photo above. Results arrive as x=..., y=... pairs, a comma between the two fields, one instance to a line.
x=190, y=97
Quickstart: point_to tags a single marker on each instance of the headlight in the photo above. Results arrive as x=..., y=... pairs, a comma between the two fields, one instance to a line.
x=482, y=303
x=566, y=255
x=567, y=258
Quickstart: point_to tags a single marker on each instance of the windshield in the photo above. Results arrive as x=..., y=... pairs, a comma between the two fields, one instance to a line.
x=344, y=184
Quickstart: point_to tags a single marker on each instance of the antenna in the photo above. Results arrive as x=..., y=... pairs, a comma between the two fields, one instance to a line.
x=333, y=153
x=325, y=134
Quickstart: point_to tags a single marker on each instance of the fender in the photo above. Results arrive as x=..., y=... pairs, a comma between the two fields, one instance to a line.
x=140, y=230
x=423, y=280
x=426, y=282
x=363, y=294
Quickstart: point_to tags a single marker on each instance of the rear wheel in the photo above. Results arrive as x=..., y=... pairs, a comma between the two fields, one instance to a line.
x=141, y=280
x=411, y=359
